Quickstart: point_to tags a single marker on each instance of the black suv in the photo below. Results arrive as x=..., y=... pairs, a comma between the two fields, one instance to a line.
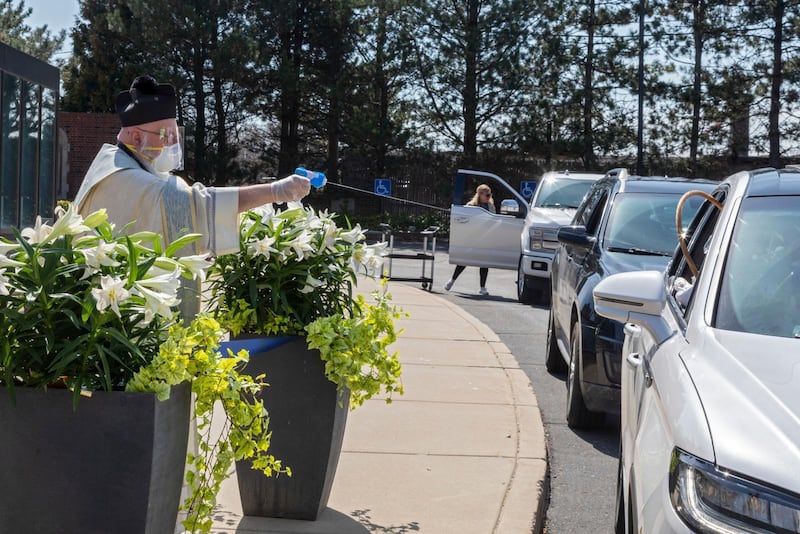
x=624, y=223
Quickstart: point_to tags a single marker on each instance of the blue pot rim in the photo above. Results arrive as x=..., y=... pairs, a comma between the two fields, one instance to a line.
x=254, y=345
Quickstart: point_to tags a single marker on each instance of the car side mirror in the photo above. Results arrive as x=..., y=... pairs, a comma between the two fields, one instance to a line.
x=574, y=235
x=637, y=297
x=509, y=206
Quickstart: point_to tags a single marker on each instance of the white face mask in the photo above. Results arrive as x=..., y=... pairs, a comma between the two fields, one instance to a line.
x=170, y=159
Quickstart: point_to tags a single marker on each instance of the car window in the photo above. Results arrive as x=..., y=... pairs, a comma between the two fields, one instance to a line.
x=699, y=233
x=561, y=193
x=760, y=285
x=590, y=205
x=644, y=223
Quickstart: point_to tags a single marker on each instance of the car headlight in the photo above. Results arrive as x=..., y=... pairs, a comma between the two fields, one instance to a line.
x=536, y=236
x=711, y=500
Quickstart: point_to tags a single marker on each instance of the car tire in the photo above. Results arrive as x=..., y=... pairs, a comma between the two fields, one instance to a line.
x=619, y=519
x=541, y=293
x=524, y=292
x=578, y=415
x=554, y=361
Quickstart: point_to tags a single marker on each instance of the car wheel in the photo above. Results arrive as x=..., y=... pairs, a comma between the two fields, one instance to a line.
x=541, y=292
x=578, y=415
x=524, y=292
x=554, y=361
x=619, y=519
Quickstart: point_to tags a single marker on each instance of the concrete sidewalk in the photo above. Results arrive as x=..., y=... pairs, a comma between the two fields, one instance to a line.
x=463, y=451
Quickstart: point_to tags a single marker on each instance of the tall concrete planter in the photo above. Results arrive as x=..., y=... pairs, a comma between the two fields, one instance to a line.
x=307, y=418
x=114, y=464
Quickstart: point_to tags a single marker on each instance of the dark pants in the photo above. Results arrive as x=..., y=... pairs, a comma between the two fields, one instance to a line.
x=460, y=269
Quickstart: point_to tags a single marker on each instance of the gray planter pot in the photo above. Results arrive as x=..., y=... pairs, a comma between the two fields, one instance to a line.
x=307, y=424
x=115, y=464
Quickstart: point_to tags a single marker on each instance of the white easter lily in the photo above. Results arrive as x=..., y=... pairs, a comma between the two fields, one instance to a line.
x=167, y=283
x=301, y=245
x=262, y=247
x=39, y=233
x=353, y=236
x=157, y=303
x=69, y=222
x=111, y=293
x=197, y=265
x=101, y=254
x=311, y=284
x=4, y=285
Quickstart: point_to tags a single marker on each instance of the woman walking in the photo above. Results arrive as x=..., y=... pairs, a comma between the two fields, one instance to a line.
x=482, y=199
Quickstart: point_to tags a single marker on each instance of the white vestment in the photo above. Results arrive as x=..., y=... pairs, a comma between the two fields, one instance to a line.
x=165, y=204
x=160, y=203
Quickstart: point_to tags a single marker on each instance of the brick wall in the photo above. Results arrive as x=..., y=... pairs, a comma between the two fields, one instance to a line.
x=86, y=133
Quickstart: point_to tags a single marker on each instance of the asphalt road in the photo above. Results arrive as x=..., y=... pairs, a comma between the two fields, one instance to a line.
x=583, y=465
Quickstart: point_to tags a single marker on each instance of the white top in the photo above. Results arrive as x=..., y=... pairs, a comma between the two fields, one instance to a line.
x=160, y=203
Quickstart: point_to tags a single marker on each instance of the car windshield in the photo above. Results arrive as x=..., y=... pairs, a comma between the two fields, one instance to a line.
x=760, y=286
x=644, y=223
x=562, y=193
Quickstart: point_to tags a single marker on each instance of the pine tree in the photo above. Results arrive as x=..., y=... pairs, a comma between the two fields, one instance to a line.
x=14, y=31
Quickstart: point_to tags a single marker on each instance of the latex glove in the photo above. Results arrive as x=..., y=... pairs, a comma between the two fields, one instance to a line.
x=291, y=188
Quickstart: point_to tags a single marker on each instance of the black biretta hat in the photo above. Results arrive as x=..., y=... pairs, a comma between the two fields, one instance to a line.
x=146, y=101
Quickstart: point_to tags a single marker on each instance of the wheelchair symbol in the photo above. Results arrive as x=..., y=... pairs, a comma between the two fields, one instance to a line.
x=527, y=189
x=383, y=187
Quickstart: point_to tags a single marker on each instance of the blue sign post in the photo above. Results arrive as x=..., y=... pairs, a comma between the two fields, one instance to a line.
x=527, y=189
x=383, y=186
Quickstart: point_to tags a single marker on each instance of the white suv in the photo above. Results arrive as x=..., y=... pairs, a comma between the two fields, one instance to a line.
x=553, y=205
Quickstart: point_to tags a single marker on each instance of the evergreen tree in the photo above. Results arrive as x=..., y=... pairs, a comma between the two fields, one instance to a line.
x=472, y=61
x=773, y=31
x=698, y=40
x=14, y=31
x=375, y=112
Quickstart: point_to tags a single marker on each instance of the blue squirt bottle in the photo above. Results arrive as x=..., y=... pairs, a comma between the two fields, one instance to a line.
x=316, y=178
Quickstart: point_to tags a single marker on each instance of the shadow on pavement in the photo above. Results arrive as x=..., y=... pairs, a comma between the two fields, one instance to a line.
x=476, y=297
x=604, y=439
x=365, y=519
x=329, y=520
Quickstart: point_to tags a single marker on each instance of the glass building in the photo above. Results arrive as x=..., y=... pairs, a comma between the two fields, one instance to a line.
x=28, y=138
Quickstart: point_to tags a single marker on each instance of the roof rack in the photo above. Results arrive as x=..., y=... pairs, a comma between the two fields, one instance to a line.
x=619, y=172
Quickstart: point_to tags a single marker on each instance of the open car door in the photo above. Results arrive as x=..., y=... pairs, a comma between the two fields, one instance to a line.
x=478, y=237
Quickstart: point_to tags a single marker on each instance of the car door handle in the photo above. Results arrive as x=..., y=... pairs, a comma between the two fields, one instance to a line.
x=634, y=359
x=461, y=219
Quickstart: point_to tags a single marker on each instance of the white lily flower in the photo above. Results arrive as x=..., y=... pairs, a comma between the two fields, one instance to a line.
x=167, y=283
x=39, y=233
x=5, y=262
x=329, y=238
x=379, y=249
x=359, y=257
x=157, y=303
x=301, y=244
x=100, y=255
x=4, y=285
x=70, y=223
x=311, y=284
x=262, y=247
x=8, y=246
x=374, y=263
x=353, y=236
x=111, y=294
x=197, y=265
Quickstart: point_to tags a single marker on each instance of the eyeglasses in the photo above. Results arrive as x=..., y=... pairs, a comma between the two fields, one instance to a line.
x=486, y=193
x=170, y=136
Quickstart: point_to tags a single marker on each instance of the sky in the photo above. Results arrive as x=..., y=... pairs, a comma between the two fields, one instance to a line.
x=57, y=14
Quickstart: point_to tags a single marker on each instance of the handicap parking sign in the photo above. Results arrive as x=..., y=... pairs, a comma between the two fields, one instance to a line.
x=383, y=186
x=527, y=189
